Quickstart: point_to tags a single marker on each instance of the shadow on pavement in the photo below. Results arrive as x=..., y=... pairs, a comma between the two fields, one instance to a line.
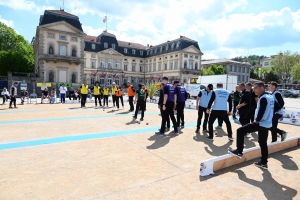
x=133, y=121
x=161, y=141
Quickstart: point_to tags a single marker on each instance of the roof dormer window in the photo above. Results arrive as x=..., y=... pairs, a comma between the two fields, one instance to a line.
x=113, y=46
x=125, y=50
x=133, y=51
x=93, y=46
x=105, y=45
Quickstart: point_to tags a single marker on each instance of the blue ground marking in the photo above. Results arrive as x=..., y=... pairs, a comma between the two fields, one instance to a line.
x=32, y=143
x=19, y=111
x=78, y=117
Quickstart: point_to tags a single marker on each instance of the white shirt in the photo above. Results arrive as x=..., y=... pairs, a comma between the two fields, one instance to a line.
x=5, y=93
x=63, y=90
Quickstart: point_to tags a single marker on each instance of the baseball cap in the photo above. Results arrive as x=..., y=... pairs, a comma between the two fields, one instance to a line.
x=210, y=86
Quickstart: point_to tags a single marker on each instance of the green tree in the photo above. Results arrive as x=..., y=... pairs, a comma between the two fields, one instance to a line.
x=271, y=76
x=296, y=72
x=207, y=72
x=16, y=54
x=213, y=70
x=284, y=62
x=254, y=73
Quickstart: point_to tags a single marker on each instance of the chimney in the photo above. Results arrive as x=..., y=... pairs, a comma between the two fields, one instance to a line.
x=147, y=45
x=181, y=36
x=129, y=44
x=151, y=46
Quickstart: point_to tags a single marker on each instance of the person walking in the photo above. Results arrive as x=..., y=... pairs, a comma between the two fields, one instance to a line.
x=13, y=95
x=5, y=95
x=272, y=87
x=63, y=90
x=168, y=107
x=236, y=100
x=201, y=105
x=130, y=96
x=262, y=123
x=160, y=105
x=254, y=100
x=114, y=90
x=244, y=105
x=219, y=97
x=97, y=94
x=140, y=97
x=84, y=92
x=146, y=94
x=119, y=97
x=181, y=98
x=105, y=95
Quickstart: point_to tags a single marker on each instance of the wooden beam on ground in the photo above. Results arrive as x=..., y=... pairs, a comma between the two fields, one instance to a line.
x=208, y=167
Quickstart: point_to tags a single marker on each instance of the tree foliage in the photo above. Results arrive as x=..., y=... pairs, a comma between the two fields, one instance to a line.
x=296, y=72
x=16, y=54
x=284, y=62
x=213, y=70
x=252, y=59
x=264, y=74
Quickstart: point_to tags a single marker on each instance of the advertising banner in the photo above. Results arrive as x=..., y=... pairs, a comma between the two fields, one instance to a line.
x=290, y=117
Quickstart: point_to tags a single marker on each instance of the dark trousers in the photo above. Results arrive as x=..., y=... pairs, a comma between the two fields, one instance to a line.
x=251, y=115
x=83, y=99
x=140, y=105
x=220, y=114
x=114, y=98
x=274, y=129
x=131, y=102
x=168, y=119
x=145, y=103
x=262, y=139
x=180, y=113
x=244, y=117
x=72, y=95
x=200, y=114
x=105, y=99
x=62, y=98
x=13, y=100
x=121, y=99
x=117, y=101
x=235, y=103
x=5, y=97
x=169, y=112
x=220, y=121
x=97, y=97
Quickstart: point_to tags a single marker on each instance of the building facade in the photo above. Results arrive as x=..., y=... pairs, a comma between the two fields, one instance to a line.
x=239, y=69
x=59, y=48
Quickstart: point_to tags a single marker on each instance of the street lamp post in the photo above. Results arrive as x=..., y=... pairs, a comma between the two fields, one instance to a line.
x=285, y=77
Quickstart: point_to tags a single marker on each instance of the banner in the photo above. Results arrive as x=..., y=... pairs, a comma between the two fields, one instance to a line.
x=290, y=117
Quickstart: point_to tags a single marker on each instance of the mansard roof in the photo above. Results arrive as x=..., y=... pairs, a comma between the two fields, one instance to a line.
x=52, y=16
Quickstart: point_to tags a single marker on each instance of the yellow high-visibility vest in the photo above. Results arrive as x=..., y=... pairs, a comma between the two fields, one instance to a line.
x=96, y=90
x=106, y=91
x=84, y=89
x=114, y=89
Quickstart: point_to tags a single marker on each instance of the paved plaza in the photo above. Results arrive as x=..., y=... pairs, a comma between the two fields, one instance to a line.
x=60, y=151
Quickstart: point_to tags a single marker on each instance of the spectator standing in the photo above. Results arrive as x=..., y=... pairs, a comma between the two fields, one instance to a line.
x=13, y=95
x=84, y=92
x=130, y=92
x=181, y=98
x=97, y=94
x=63, y=90
x=236, y=100
x=146, y=94
x=105, y=95
x=114, y=90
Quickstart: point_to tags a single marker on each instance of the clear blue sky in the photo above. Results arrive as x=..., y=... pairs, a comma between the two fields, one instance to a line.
x=223, y=28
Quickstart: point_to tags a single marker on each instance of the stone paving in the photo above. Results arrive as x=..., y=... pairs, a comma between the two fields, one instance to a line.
x=61, y=152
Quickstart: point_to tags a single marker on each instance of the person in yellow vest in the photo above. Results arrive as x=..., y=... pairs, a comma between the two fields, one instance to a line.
x=105, y=95
x=97, y=94
x=84, y=88
x=114, y=90
x=119, y=96
x=131, y=93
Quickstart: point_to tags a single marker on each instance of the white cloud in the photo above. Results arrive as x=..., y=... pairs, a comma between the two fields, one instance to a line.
x=9, y=23
x=296, y=18
x=24, y=5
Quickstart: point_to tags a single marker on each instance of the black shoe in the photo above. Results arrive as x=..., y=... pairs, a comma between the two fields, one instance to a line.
x=230, y=138
x=182, y=126
x=141, y=119
x=205, y=131
x=175, y=132
x=210, y=138
x=283, y=136
x=197, y=130
x=159, y=134
x=235, y=153
x=134, y=117
x=259, y=164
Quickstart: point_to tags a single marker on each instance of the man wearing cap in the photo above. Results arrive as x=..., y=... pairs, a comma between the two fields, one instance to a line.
x=181, y=98
x=204, y=97
x=97, y=94
x=219, y=98
x=84, y=92
x=168, y=107
x=140, y=102
x=63, y=90
x=130, y=92
x=146, y=93
x=114, y=90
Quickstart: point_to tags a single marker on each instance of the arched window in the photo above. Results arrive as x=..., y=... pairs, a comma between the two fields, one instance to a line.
x=74, y=53
x=51, y=76
x=185, y=64
x=51, y=50
x=109, y=81
x=172, y=47
x=101, y=63
x=117, y=64
x=177, y=45
x=196, y=66
x=73, y=78
x=92, y=81
x=109, y=64
x=167, y=47
x=117, y=81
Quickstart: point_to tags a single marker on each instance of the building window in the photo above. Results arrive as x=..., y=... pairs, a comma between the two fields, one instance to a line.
x=84, y=63
x=92, y=81
x=101, y=81
x=166, y=66
x=73, y=78
x=150, y=68
x=159, y=67
x=51, y=35
x=239, y=77
x=101, y=63
x=109, y=66
x=177, y=45
x=51, y=50
x=243, y=78
x=185, y=64
x=151, y=52
x=133, y=60
x=74, y=53
x=141, y=69
x=172, y=46
x=125, y=68
x=243, y=70
x=161, y=48
x=117, y=81
x=191, y=56
x=148, y=53
x=93, y=64
x=125, y=50
x=167, y=47
x=62, y=37
x=113, y=46
x=154, y=67
x=105, y=45
x=141, y=52
x=171, y=65
x=51, y=76
x=235, y=67
x=266, y=63
x=93, y=56
x=239, y=69
x=109, y=81
x=146, y=68
x=117, y=64
x=191, y=64
x=196, y=66
x=74, y=39
x=93, y=46
x=196, y=57
x=230, y=68
x=176, y=65
x=185, y=55
x=247, y=70
x=62, y=50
